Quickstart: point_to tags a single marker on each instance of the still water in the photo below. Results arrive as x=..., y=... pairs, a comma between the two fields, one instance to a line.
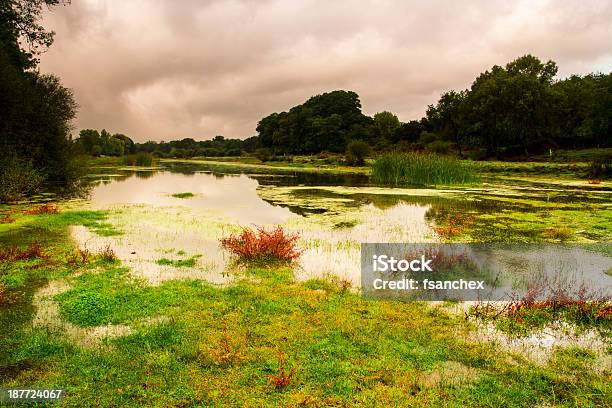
x=333, y=213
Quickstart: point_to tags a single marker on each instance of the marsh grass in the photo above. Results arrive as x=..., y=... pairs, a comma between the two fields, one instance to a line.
x=183, y=195
x=403, y=169
x=140, y=159
x=179, y=263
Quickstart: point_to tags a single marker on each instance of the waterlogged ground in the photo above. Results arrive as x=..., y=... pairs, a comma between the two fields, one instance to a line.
x=333, y=213
x=172, y=323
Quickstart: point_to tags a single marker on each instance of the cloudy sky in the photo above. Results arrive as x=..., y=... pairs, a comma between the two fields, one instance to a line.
x=163, y=69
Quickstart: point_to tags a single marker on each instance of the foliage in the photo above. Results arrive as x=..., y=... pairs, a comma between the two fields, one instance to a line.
x=600, y=169
x=396, y=169
x=35, y=109
x=356, y=152
x=187, y=148
x=14, y=253
x=18, y=179
x=323, y=122
x=139, y=159
x=48, y=208
x=183, y=195
x=263, y=247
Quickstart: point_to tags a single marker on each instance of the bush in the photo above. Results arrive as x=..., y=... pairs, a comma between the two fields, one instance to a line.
x=356, y=152
x=263, y=154
x=600, y=169
x=395, y=169
x=18, y=179
x=439, y=146
x=427, y=138
x=263, y=247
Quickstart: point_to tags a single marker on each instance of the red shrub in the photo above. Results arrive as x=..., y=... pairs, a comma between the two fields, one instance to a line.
x=14, y=253
x=261, y=246
x=7, y=219
x=283, y=377
x=48, y=208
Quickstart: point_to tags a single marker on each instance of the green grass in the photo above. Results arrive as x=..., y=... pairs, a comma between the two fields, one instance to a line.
x=189, y=262
x=196, y=344
x=404, y=169
x=183, y=195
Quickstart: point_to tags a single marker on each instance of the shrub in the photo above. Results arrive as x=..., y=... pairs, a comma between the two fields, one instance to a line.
x=263, y=154
x=18, y=179
x=439, y=146
x=13, y=253
x=283, y=376
x=48, y=208
x=107, y=254
x=561, y=233
x=600, y=169
x=356, y=152
x=7, y=219
x=395, y=169
x=263, y=247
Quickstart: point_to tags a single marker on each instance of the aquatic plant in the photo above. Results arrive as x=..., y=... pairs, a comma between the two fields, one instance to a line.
x=7, y=219
x=600, y=169
x=561, y=233
x=14, y=253
x=263, y=247
x=283, y=376
x=455, y=225
x=79, y=256
x=546, y=301
x=397, y=169
x=48, y=208
x=107, y=254
x=183, y=195
x=140, y=159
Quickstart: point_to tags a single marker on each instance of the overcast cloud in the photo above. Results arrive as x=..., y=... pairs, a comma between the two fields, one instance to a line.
x=162, y=69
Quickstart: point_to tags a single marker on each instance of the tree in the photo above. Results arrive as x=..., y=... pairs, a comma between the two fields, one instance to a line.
x=385, y=125
x=356, y=152
x=323, y=122
x=448, y=117
x=35, y=109
x=511, y=107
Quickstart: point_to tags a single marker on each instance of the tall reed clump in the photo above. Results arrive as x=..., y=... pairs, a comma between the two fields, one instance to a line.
x=139, y=159
x=263, y=247
x=397, y=169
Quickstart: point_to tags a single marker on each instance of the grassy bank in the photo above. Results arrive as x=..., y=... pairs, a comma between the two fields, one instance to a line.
x=264, y=340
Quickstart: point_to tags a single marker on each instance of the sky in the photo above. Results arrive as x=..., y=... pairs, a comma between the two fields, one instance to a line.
x=164, y=70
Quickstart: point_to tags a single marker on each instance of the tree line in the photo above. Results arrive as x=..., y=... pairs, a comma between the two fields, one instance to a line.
x=512, y=111
x=519, y=109
x=103, y=143
x=35, y=109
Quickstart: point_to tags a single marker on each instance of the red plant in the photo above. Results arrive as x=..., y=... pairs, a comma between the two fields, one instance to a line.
x=14, y=253
x=6, y=219
x=261, y=246
x=48, y=208
x=456, y=225
x=283, y=377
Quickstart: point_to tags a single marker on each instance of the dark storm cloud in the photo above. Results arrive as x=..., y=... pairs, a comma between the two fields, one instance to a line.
x=163, y=69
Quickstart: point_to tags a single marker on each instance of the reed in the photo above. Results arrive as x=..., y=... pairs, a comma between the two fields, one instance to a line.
x=397, y=169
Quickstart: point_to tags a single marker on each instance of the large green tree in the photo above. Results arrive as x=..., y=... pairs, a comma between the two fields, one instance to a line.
x=35, y=109
x=324, y=122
